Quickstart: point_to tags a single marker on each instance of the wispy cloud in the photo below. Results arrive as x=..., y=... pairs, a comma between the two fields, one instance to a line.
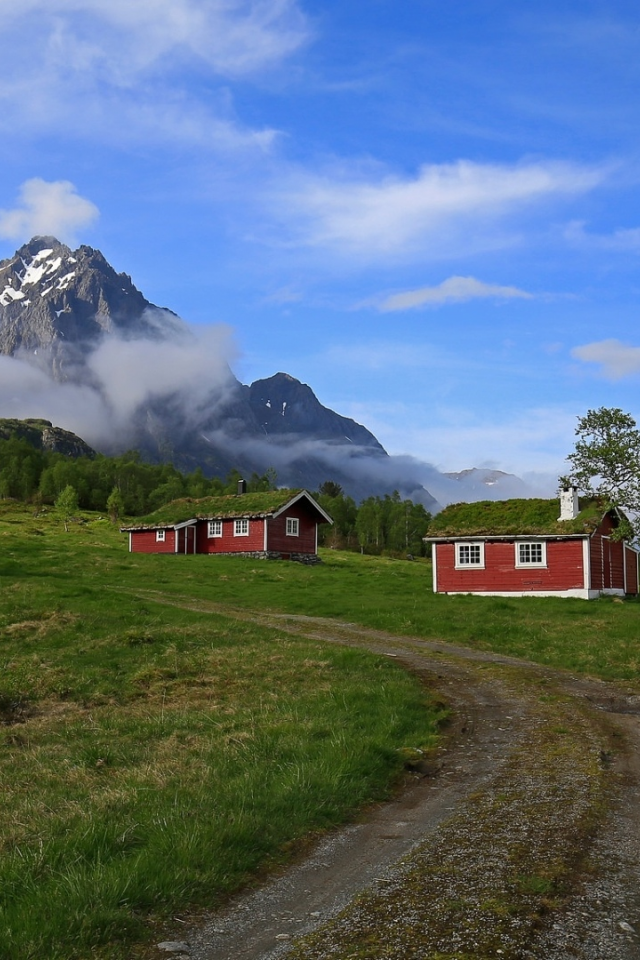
x=47, y=209
x=149, y=68
x=453, y=290
x=617, y=360
x=453, y=206
x=531, y=440
x=624, y=240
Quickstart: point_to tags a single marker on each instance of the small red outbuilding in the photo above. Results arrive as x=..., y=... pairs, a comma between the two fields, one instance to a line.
x=278, y=524
x=532, y=547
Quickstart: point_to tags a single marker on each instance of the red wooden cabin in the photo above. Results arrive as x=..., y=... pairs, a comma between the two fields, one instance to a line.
x=277, y=524
x=523, y=547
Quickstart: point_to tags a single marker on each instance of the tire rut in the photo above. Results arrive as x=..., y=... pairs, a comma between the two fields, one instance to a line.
x=539, y=770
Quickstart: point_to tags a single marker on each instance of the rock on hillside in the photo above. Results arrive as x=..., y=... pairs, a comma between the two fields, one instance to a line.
x=44, y=436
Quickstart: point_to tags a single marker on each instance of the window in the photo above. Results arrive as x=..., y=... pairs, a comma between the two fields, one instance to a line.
x=532, y=554
x=241, y=528
x=160, y=536
x=214, y=528
x=469, y=555
x=293, y=527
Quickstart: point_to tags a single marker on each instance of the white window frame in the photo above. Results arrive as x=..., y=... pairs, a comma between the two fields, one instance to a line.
x=466, y=549
x=526, y=545
x=293, y=527
x=161, y=536
x=241, y=528
x=214, y=528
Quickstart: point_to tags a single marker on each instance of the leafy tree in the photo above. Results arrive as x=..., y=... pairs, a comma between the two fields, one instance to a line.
x=606, y=460
x=67, y=504
x=115, y=505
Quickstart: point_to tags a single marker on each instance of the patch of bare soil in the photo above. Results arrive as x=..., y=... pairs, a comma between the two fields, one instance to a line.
x=521, y=842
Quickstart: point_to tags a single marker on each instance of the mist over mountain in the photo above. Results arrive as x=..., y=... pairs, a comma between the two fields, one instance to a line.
x=83, y=348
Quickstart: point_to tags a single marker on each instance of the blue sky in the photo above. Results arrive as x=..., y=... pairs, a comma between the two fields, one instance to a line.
x=430, y=213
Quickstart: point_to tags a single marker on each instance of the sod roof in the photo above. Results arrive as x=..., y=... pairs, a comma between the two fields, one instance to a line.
x=513, y=518
x=216, y=508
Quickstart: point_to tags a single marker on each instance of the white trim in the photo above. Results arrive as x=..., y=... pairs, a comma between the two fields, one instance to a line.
x=577, y=593
x=161, y=536
x=299, y=496
x=213, y=525
x=586, y=563
x=624, y=566
x=527, y=565
x=130, y=542
x=469, y=546
x=265, y=522
x=238, y=531
x=294, y=523
x=434, y=567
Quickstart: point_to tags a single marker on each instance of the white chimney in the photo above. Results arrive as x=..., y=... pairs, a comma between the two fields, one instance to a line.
x=569, y=506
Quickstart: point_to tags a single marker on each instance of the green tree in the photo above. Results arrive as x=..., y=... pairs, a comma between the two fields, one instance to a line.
x=67, y=504
x=115, y=505
x=606, y=460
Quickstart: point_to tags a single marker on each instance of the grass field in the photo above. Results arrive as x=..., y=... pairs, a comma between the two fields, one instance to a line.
x=153, y=757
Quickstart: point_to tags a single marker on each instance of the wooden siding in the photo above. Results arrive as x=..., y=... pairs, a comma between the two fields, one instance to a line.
x=631, y=561
x=564, y=569
x=607, y=559
x=228, y=543
x=279, y=542
x=144, y=541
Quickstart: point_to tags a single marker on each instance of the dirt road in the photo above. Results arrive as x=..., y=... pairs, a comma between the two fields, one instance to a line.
x=521, y=840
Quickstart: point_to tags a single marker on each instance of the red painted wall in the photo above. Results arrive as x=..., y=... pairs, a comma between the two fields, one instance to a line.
x=228, y=543
x=144, y=541
x=564, y=570
x=631, y=560
x=607, y=559
x=277, y=539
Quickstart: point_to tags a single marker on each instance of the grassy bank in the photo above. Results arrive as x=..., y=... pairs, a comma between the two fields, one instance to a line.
x=153, y=758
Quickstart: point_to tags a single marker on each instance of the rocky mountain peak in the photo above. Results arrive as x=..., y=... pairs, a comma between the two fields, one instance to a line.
x=56, y=303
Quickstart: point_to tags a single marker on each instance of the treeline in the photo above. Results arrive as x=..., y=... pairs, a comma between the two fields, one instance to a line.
x=133, y=486
x=127, y=486
x=377, y=525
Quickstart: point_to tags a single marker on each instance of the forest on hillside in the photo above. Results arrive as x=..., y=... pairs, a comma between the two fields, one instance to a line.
x=127, y=486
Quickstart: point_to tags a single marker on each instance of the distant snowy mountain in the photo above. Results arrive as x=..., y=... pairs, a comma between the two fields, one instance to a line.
x=482, y=483
x=82, y=347
x=123, y=373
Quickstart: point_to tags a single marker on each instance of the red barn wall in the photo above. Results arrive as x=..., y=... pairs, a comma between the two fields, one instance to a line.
x=607, y=558
x=279, y=542
x=144, y=541
x=228, y=543
x=564, y=570
x=631, y=561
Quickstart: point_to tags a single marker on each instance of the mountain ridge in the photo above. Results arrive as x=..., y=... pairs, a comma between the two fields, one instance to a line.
x=72, y=316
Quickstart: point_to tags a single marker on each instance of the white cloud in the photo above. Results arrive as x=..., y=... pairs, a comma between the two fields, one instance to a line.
x=624, y=240
x=119, y=39
x=617, y=359
x=533, y=440
x=453, y=290
x=446, y=206
x=122, y=70
x=47, y=209
x=187, y=366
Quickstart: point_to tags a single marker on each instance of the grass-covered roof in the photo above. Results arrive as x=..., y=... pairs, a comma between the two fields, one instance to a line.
x=217, y=508
x=513, y=518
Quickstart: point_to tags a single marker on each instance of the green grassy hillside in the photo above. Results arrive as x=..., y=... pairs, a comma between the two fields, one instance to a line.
x=154, y=754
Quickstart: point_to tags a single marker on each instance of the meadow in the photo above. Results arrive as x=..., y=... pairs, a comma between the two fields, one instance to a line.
x=155, y=756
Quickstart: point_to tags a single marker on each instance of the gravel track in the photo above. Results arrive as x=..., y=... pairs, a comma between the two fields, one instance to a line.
x=521, y=842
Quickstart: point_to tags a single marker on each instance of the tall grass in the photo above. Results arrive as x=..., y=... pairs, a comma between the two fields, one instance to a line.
x=153, y=758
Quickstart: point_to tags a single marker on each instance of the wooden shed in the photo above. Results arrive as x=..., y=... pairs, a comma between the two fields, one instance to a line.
x=277, y=524
x=552, y=548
